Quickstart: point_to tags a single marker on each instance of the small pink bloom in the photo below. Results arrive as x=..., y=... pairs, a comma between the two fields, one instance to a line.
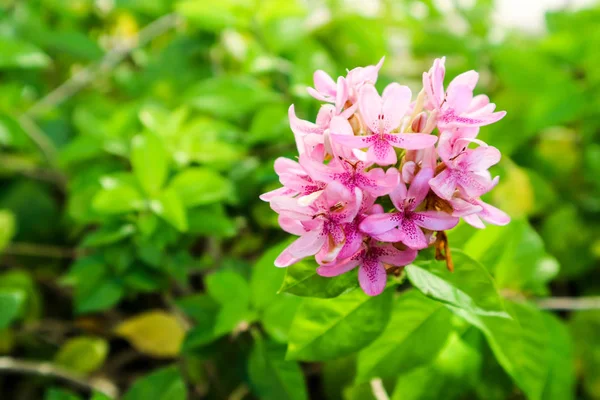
x=457, y=106
x=295, y=179
x=383, y=115
x=466, y=170
x=404, y=225
x=322, y=221
x=354, y=174
x=372, y=275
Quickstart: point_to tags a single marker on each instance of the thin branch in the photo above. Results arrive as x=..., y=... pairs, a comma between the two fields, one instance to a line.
x=8, y=364
x=569, y=303
x=110, y=60
x=40, y=250
x=378, y=390
x=39, y=138
x=239, y=393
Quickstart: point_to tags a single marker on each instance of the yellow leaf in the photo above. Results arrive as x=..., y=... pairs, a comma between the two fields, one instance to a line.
x=155, y=333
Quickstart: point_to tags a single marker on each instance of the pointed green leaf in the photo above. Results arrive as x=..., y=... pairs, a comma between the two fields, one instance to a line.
x=324, y=329
x=168, y=206
x=301, y=279
x=416, y=333
x=272, y=377
x=164, y=384
x=150, y=162
x=11, y=302
x=200, y=186
x=82, y=354
x=469, y=287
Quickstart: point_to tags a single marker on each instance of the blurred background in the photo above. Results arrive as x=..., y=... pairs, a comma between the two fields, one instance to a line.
x=136, y=136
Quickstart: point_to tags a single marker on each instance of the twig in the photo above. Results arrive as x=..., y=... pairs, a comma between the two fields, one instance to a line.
x=110, y=60
x=378, y=390
x=239, y=393
x=40, y=250
x=8, y=364
x=39, y=138
x=569, y=303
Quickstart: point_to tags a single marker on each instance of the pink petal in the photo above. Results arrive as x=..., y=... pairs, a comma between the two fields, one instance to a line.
x=290, y=208
x=482, y=158
x=459, y=98
x=433, y=82
x=444, y=184
x=308, y=244
x=341, y=94
x=392, y=236
x=285, y=259
x=398, y=195
x=339, y=267
x=391, y=255
x=474, y=185
x=382, y=153
x=468, y=79
x=282, y=191
x=420, y=187
x=370, y=105
x=355, y=142
x=372, y=277
x=408, y=171
x=384, y=181
x=410, y=141
x=493, y=215
x=396, y=99
x=324, y=83
x=412, y=235
x=474, y=221
x=435, y=220
x=291, y=225
x=378, y=223
x=340, y=126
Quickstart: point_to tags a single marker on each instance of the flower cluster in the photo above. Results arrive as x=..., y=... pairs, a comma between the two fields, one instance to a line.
x=365, y=147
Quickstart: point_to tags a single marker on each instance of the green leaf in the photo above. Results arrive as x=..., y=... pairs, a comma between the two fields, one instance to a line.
x=169, y=206
x=7, y=228
x=60, y=394
x=150, y=163
x=200, y=186
x=164, y=384
x=516, y=255
x=278, y=316
x=17, y=54
x=95, y=290
x=211, y=220
x=155, y=333
x=230, y=97
x=469, y=287
x=584, y=326
x=533, y=349
x=416, y=333
x=100, y=396
x=217, y=16
x=455, y=371
x=118, y=195
x=272, y=377
x=11, y=302
x=82, y=354
x=266, y=277
x=324, y=329
x=301, y=279
x=108, y=234
x=226, y=286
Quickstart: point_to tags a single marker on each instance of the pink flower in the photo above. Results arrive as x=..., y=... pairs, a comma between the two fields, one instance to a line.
x=372, y=275
x=295, y=179
x=475, y=210
x=354, y=236
x=383, y=115
x=353, y=174
x=404, y=225
x=310, y=136
x=320, y=225
x=466, y=169
x=457, y=106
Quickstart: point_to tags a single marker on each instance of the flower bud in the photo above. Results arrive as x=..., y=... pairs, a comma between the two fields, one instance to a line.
x=419, y=123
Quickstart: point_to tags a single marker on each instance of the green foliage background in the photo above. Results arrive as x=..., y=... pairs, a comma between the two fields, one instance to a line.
x=137, y=260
